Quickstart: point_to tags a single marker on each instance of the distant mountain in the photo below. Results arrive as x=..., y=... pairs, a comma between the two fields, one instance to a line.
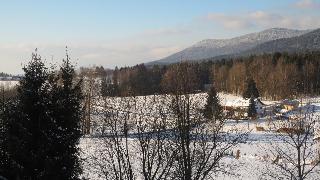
x=306, y=42
x=219, y=47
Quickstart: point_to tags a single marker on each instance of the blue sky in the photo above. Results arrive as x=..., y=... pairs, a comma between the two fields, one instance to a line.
x=127, y=32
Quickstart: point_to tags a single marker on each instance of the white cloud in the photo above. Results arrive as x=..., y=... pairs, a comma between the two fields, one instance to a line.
x=262, y=19
x=307, y=4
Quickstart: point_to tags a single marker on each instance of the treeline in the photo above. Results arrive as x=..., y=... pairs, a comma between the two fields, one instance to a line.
x=278, y=76
x=143, y=80
x=2, y=74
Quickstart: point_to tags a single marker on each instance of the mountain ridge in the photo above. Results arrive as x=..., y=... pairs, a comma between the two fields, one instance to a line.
x=210, y=48
x=305, y=42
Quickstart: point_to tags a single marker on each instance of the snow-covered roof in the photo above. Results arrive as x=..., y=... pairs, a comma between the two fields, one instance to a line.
x=232, y=100
x=236, y=101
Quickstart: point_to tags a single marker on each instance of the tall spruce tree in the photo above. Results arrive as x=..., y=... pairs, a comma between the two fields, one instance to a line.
x=213, y=109
x=252, y=111
x=43, y=125
x=251, y=90
x=104, y=87
x=66, y=98
x=27, y=124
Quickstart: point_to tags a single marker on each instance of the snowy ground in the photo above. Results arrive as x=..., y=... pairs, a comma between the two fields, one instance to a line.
x=254, y=157
x=8, y=84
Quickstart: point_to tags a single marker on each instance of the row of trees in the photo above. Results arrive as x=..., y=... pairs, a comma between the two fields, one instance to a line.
x=277, y=76
x=40, y=126
x=142, y=80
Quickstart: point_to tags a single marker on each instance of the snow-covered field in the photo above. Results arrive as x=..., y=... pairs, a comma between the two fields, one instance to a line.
x=254, y=158
x=8, y=84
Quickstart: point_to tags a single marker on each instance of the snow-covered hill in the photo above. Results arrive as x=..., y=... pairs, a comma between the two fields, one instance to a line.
x=306, y=42
x=217, y=47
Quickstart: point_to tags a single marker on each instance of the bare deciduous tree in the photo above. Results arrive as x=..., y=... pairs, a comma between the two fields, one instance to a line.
x=157, y=150
x=201, y=144
x=90, y=91
x=294, y=151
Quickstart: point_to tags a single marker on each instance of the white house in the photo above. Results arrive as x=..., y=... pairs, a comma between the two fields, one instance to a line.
x=239, y=107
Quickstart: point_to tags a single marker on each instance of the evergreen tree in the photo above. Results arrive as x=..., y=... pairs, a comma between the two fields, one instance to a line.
x=104, y=86
x=67, y=131
x=108, y=89
x=8, y=167
x=115, y=82
x=213, y=109
x=251, y=90
x=115, y=76
x=27, y=124
x=43, y=125
x=252, y=112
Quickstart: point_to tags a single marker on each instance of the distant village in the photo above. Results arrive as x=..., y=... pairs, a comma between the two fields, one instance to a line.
x=279, y=110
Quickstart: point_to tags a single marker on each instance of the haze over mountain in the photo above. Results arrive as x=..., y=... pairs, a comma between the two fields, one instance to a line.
x=223, y=47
